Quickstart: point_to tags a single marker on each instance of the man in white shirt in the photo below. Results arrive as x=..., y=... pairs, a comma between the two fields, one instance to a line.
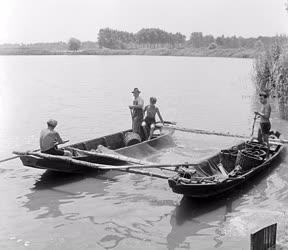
x=137, y=111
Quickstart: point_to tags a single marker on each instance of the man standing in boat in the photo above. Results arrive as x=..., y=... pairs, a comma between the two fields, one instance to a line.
x=137, y=111
x=149, y=122
x=49, y=139
x=264, y=114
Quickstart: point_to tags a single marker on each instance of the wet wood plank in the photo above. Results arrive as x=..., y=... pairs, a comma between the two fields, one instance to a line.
x=264, y=238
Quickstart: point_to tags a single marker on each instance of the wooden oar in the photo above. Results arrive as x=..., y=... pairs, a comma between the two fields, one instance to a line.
x=255, y=118
x=100, y=166
x=139, y=163
x=114, y=155
x=97, y=166
x=206, y=132
x=36, y=150
x=111, y=156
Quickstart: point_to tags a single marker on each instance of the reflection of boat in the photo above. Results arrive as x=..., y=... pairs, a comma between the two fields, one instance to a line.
x=206, y=179
x=53, y=189
x=118, y=142
x=192, y=217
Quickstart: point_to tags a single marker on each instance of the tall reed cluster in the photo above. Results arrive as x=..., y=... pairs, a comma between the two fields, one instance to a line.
x=271, y=73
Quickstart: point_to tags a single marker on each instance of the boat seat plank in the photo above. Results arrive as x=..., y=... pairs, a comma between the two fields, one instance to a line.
x=93, y=144
x=81, y=146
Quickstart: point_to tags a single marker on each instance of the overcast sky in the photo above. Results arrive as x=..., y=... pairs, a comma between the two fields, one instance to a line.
x=54, y=20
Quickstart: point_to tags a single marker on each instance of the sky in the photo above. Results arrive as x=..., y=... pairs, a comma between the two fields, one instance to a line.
x=29, y=21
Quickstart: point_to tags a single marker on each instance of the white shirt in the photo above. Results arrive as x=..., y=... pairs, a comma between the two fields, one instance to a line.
x=138, y=101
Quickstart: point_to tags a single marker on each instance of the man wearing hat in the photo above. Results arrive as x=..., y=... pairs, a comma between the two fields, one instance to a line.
x=137, y=111
x=264, y=114
x=49, y=139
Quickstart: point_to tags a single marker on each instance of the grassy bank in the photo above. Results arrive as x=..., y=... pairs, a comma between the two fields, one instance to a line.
x=193, y=52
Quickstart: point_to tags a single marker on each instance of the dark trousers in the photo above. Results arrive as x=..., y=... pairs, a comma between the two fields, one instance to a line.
x=54, y=151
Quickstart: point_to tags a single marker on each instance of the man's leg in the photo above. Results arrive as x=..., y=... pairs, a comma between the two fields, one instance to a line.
x=152, y=127
x=134, y=125
x=144, y=126
x=138, y=126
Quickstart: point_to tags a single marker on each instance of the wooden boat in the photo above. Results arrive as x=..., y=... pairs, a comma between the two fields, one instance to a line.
x=206, y=178
x=114, y=143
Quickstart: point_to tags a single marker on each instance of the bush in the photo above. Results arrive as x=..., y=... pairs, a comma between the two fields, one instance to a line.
x=74, y=44
x=212, y=46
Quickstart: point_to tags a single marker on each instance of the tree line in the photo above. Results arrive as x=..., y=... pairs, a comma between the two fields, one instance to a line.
x=154, y=38
x=150, y=38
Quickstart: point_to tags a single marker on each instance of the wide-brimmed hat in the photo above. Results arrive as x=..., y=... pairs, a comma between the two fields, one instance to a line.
x=52, y=123
x=136, y=90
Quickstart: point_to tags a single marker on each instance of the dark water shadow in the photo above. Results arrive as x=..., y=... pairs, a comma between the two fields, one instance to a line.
x=51, y=179
x=53, y=189
x=185, y=220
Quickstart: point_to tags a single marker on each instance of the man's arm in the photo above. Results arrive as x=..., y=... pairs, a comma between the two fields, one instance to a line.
x=145, y=109
x=140, y=104
x=58, y=138
x=159, y=115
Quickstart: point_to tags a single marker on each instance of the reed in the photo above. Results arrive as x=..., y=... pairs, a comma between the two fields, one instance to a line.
x=271, y=73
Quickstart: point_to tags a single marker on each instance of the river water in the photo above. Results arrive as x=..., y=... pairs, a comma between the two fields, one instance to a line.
x=89, y=95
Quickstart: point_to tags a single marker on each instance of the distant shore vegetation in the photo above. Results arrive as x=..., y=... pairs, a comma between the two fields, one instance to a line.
x=149, y=41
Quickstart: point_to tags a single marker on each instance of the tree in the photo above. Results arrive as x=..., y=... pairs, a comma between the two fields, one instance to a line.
x=114, y=39
x=196, y=39
x=74, y=44
x=212, y=46
x=220, y=40
x=259, y=44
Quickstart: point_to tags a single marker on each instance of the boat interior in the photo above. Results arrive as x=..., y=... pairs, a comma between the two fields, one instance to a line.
x=113, y=141
x=231, y=162
x=125, y=139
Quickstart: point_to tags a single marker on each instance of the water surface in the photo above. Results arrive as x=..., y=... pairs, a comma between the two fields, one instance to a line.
x=89, y=95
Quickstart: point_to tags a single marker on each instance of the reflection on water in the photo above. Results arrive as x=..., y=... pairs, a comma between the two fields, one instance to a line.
x=111, y=210
x=53, y=189
x=186, y=220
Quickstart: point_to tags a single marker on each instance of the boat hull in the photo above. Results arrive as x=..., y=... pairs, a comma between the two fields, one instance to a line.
x=113, y=142
x=207, y=190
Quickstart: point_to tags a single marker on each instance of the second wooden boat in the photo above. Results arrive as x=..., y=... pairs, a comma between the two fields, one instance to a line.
x=240, y=163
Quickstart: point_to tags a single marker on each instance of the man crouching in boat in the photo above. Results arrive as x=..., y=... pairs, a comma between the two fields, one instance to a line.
x=149, y=122
x=49, y=139
x=264, y=114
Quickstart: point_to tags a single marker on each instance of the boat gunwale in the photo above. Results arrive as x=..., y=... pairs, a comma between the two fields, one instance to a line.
x=245, y=175
x=166, y=132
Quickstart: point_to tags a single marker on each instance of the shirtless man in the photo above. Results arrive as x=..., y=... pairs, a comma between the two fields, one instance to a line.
x=264, y=114
x=49, y=139
x=150, y=121
x=137, y=111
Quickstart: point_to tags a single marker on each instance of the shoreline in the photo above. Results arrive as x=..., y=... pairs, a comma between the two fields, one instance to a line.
x=187, y=52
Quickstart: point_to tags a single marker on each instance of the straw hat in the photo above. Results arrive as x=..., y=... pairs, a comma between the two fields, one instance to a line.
x=136, y=90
